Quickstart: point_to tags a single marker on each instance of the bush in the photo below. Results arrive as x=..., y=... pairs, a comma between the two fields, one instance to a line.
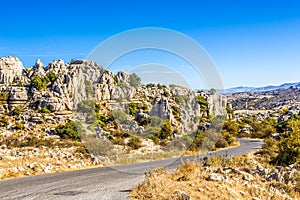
x=98, y=146
x=101, y=117
x=135, y=81
x=231, y=127
x=87, y=106
x=202, y=102
x=39, y=82
x=16, y=111
x=153, y=138
x=289, y=147
x=52, y=77
x=228, y=137
x=176, y=112
x=4, y=96
x=118, y=116
x=221, y=143
x=132, y=109
x=229, y=111
x=197, y=142
x=70, y=130
x=181, y=99
x=19, y=126
x=45, y=110
x=135, y=142
x=89, y=89
x=118, y=141
x=166, y=130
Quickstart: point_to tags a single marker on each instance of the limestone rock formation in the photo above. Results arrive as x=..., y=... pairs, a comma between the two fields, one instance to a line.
x=61, y=86
x=11, y=70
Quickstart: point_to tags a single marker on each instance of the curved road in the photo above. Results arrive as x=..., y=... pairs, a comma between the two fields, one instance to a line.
x=99, y=183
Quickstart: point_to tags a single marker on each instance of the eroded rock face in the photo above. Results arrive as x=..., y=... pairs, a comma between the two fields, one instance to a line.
x=217, y=104
x=73, y=82
x=11, y=69
x=37, y=69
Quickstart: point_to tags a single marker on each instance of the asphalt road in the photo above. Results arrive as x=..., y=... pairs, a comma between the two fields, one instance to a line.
x=99, y=183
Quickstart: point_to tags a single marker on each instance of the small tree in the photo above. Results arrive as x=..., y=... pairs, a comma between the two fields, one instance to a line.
x=70, y=130
x=212, y=91
x=166, y=130
x=135, y=81
x=289, y=148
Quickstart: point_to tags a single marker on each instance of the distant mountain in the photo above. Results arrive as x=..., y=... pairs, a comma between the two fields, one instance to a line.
x=259, y=89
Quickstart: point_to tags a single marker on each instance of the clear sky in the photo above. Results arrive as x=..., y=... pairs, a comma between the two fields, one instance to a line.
x=253, y=43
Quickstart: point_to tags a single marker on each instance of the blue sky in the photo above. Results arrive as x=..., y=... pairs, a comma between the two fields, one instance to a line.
x=252, y=43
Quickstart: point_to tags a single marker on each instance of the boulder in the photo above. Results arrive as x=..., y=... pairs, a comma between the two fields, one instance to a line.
x=215, y=177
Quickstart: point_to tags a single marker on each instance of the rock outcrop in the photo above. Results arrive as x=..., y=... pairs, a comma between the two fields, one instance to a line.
x=60, y=87
x=11, y=70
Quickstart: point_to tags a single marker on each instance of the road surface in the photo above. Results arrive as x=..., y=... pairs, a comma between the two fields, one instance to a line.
x=99, y=183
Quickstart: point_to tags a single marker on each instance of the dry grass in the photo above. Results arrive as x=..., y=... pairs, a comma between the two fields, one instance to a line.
x=35, y=164
x=192, y=178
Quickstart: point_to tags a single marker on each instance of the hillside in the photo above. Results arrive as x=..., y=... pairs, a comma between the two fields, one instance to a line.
x=75, y=115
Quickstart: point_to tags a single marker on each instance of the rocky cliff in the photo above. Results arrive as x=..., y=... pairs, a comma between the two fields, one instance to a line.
x=60, y=87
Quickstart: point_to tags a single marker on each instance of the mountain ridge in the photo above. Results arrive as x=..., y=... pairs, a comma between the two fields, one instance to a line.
x=241, y=89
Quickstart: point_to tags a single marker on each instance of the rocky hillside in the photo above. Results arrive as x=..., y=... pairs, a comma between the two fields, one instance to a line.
x=53, y=108
x=265, y=100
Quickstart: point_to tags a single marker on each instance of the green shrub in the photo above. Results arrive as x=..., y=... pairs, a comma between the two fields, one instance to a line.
x=229, y=110
x=228, y=137
x=19, y=125
x=20, y=84
x=132, y=109
x=39, y=82
x=89, y=89
x=70, y=130
x=178, y=144
x=166, y=93
x=118, y=116
x=202, y=102
x=176, y=112
x=181, y=99
x=16, y=111
x=87, y=106
x=145, y=108
x=197, y=142
x=166, y=130
x=231, y=127
x=45, y=110
x=135, y=81
x=135, y=142
x=4, y=96
x=221, y=143
x=154, y=139
x=101, y=117
x=150, y=85
x=155, y=121
x=289, y=147
x=52, y=77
